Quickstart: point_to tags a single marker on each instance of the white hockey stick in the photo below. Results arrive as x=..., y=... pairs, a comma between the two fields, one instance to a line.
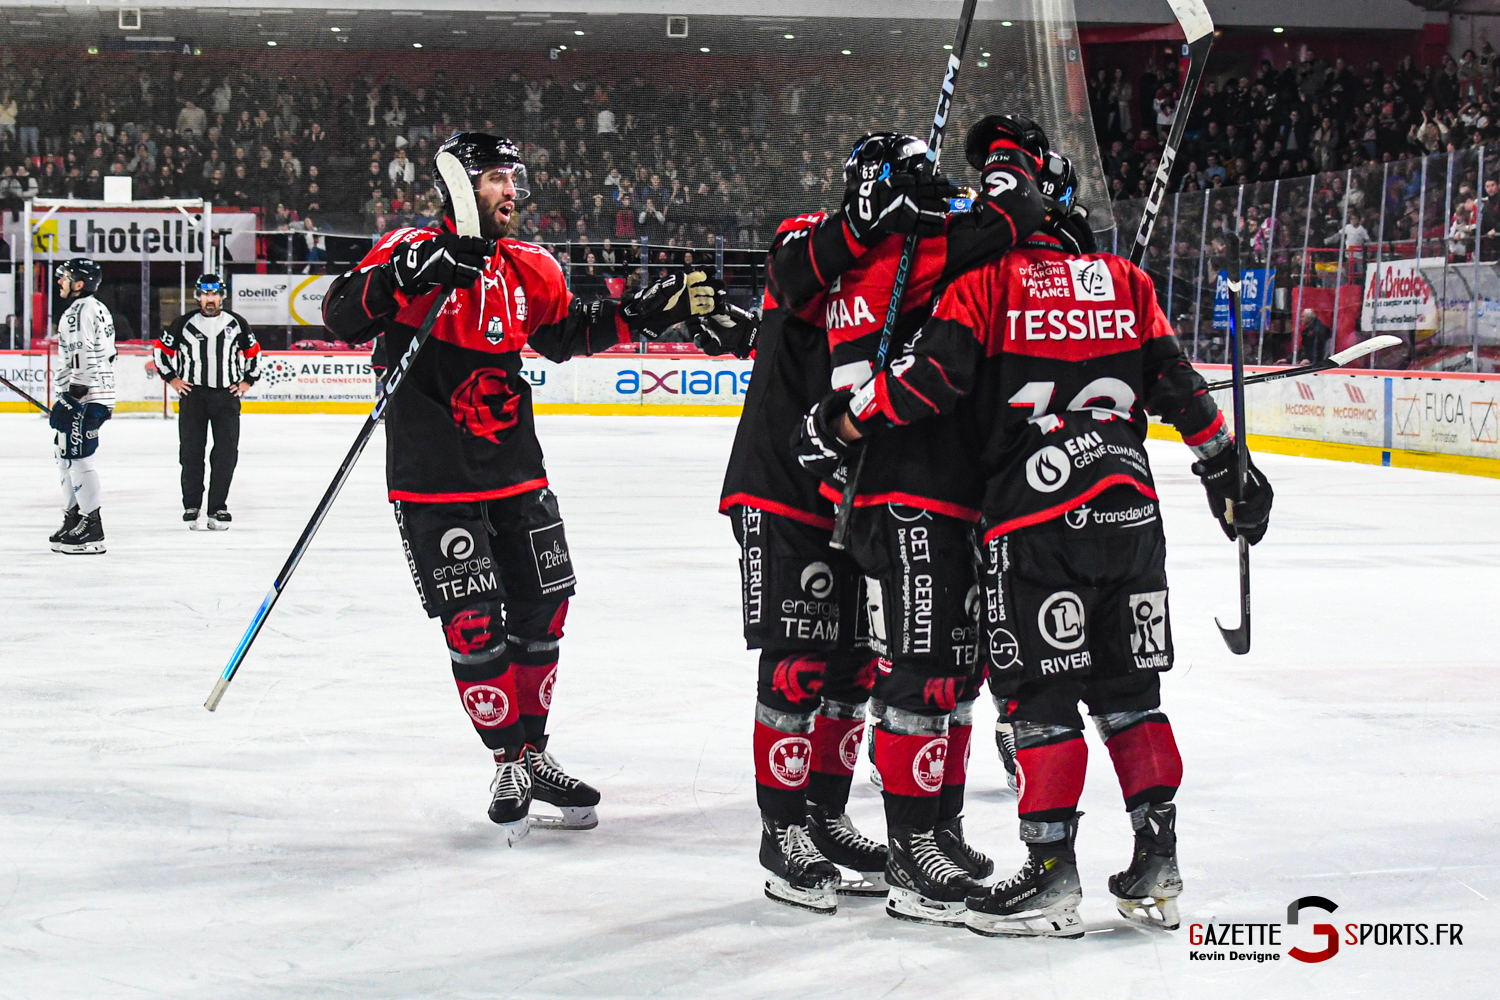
x=1198, y=28
x=1338, y=360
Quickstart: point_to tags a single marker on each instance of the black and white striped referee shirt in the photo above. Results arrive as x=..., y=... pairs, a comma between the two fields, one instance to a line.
x=212, y=351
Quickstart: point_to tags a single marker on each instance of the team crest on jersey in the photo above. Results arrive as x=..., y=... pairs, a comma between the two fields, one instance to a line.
x=1092, y=281
x=791, y=760
x=495, y=332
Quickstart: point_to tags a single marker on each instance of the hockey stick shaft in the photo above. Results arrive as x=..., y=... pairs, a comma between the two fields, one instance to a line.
x=1238, y=638
x=1338, y=360
x=840, y=537
x=1198, y=29
x=346, y=467
x=22, y=393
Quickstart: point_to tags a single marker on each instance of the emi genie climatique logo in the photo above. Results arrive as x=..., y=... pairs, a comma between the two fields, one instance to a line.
x=1251, y=942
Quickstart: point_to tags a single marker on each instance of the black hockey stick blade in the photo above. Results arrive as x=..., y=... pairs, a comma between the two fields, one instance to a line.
x=1238, y=638
x=1198, y=29
x=1339, y=360
x=22, y=393
x=466, y=219
x=840, y=538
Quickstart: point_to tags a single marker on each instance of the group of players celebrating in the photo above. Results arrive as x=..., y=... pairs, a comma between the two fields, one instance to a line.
x=1005, y=528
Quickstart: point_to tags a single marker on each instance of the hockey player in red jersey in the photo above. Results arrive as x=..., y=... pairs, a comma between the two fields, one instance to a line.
x=1055, y=354
x=802, y=600
x=480, y=527
x=918, y=498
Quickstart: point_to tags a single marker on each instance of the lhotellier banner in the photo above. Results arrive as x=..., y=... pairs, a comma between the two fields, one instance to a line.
x=110, y=235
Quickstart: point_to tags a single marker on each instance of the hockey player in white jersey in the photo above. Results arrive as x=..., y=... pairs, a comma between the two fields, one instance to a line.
x=83, y=385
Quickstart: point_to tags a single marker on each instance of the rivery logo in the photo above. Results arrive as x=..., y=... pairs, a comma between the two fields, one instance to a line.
x=1075, y=324
x=1061, y=620
x=840, y=313
x=1092, y=281
x=1047, y=471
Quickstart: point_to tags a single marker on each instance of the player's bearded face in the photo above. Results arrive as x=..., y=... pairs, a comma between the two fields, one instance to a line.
x=495, y=197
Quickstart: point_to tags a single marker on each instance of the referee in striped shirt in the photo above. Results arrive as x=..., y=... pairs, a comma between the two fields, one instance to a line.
x=210, y=356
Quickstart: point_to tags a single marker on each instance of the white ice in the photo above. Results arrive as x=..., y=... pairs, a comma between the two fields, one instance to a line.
x=323, y=834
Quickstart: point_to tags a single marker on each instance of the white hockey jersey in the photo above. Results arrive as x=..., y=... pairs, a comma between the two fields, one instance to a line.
x=86, y=351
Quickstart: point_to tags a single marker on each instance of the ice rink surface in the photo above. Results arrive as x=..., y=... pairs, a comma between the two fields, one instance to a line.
x=323, y=834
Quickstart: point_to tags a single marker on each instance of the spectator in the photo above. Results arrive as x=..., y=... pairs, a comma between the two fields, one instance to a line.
x=1313, y=338
x=401, y=170
x=192, y=120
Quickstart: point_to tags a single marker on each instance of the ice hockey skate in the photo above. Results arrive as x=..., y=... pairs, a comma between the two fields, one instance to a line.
x=950, y=837
x=1040, y=900
x=219, y=520
x=800, y=875
x=926, y=886
x=554, y=786
x=1005, y=743
x=510, y=794
x=837, y=839
x=190, y=518
x=71, y=517
x=86, y=538
x=1146, y=892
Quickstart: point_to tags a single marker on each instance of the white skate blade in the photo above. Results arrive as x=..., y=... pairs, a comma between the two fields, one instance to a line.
x=823, y=901
x=197, y=526
x=1160, y=913
x=216, y=525
x=517, y=831
x=1063, y=923
x=85, y=549
x=57, y=546
x=573, y=818
x=903, y=904
x=865, y=884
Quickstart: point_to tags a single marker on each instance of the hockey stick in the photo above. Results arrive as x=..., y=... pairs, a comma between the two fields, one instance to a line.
x=466, y=218
x=23, y=394
x=1338, y=360
x=840, y=538
x=1238, y=638
x=1198, y=28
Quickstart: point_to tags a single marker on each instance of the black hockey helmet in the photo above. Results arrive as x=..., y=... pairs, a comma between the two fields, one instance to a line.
x=478, y=152
x=210, y=283
x=878, y=152
x=1058, y=181
x=1022, y=131
x=85, y=270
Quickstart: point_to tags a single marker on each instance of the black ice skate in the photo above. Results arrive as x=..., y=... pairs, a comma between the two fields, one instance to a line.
x=190, y=517
x=71, y=517
x=800, y=876
x=510, y=794
x=554, y=786
x=86, y=538
x=219, y=520
x=1147, y=891
x=1040, y=900
x=1005, y=742
x=837, y=839
x=950, y=837
x=926, y=886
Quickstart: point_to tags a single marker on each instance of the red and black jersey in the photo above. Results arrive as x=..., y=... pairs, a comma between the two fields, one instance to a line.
x=928, y=465
x=791, y=370
x=462, y=428
x=1050, y=362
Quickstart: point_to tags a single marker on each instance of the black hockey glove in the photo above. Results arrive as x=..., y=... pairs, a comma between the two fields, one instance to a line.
x=897, y=203
x=727, y=330
x=1073, y=230
x=674, y=299
x=1003, y=191
x=446, y=261
x=816, y=446
x=1248, y=517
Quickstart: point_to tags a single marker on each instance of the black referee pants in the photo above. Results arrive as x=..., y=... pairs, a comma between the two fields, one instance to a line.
x=195, y=412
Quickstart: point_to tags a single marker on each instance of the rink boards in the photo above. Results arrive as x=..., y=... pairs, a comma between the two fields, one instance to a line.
x=1444, y=422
